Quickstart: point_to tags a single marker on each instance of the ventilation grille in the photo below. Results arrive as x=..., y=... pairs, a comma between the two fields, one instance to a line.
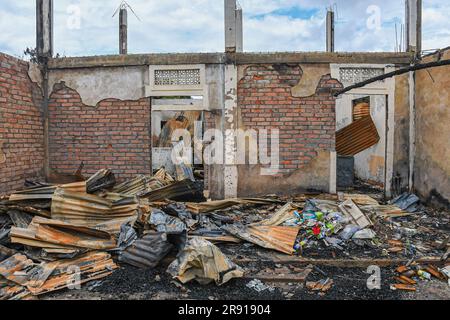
x=184, y=77
x=356, y=75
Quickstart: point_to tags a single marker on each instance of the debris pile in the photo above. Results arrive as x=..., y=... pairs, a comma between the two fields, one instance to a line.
x=62, y=236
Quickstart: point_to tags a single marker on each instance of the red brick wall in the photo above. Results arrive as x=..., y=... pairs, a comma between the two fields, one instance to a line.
x=115, y=134
x=21, y=130
x=306, y=125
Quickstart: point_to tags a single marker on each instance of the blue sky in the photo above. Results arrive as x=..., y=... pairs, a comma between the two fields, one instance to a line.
x=197, y=25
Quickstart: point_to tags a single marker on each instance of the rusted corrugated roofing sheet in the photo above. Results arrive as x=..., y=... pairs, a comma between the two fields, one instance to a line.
x=22, y=276
x=357, y=137
x=271, y=237
x=12, y=267
x=42, y=193
x=211, y=206
x=146, y=252
x=92, y=211
x=185, y=188
x=53, y=234
x=91, y=266
x=12, y=291
x=142, y=184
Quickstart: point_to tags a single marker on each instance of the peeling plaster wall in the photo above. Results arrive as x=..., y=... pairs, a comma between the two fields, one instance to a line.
x=432, y=156
x=401, y=136
x=97, y=84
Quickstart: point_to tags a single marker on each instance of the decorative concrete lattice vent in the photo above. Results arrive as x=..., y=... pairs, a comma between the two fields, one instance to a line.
x=177, y=80
x=185, y=77
x=352, y=75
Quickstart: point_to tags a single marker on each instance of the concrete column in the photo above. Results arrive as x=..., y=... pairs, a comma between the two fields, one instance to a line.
x=413, y=20
x=230, y=26
x=44, y=28
x=330, y=31
x=123, y=31
x=239, y=31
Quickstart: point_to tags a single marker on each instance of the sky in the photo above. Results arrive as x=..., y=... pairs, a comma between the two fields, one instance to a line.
x=87, y=27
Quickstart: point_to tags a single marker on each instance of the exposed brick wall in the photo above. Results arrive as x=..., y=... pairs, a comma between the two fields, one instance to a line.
x=307, y=125
x=21, y=129
x=114, y=134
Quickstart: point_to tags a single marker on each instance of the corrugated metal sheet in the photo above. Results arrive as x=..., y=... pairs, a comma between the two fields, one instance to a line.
x=53, y=234
x=92, y=211
x=146, y=252
x=185, y=188
x=357, y=137
x=211, y=206
x=43, y=193
x=91, y=266
x=143, y=184
x=271, y=237
x=12, y=268
x=282, y=215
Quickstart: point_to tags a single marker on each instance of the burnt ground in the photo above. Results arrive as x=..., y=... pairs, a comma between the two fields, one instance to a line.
x=130, y=283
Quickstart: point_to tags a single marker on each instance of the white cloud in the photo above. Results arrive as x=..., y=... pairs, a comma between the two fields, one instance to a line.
x=197, y=26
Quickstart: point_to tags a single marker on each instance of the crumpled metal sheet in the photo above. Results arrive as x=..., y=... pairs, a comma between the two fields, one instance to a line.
x=143, y=184
x=271, y=237
x=185, y=189
x=211, y=206
x=180, y=210
x=202, y=261
x=101, y=180
x=14, y=268
x=165, y=223
x=19, y=218
x=278, y=218
x=72, y=272
x=5, y=228
x=6, y=253
x=12, y=291
x=147, y=252
x=48, y=277
x=351, y=210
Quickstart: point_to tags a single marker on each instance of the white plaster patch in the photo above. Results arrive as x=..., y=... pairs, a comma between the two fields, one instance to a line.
x=35, y=73
x=97, y=84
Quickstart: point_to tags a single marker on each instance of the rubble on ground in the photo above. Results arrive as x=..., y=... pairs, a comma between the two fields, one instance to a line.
x=54, y=237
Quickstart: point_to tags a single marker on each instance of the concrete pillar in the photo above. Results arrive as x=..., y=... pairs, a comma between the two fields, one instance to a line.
x=330, y=31
x=234, y=33
x=239, y=31
x=123, y=31
x=44, y=28
x=230, y=25
x=229, y=127
x=413, y=20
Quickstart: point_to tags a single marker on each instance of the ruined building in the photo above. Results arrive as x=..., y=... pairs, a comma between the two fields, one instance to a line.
x=112, y=111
